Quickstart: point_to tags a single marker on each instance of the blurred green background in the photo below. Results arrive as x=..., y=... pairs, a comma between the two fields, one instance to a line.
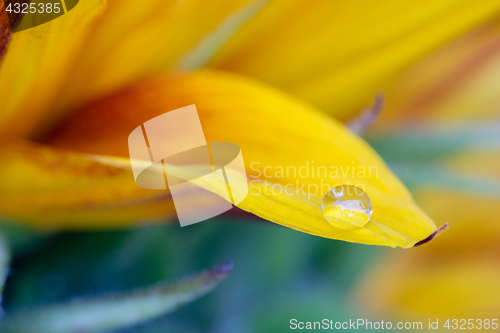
x=279, y=274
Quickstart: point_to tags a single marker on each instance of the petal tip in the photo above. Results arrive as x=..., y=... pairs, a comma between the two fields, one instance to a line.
x=433, y=235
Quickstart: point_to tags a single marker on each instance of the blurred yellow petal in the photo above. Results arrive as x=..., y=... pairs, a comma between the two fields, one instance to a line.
x=473, y=214
x=481, y=162
x=456, y=277
x=274, y=131
x=422, y=285
x=37, y=62
x=53, y=188
x=133, y=40
x=458, y=83
x=342, y=52
x=337, y=55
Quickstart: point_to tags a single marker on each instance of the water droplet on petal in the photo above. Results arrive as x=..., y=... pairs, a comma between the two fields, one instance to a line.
x=346, y=207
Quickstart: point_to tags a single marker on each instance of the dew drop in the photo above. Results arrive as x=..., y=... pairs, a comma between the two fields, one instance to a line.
x=346, y=207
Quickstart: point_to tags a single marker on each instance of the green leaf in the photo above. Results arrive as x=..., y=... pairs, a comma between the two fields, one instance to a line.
x=107, y=312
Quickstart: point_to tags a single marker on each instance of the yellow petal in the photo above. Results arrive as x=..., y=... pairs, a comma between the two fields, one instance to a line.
x=337, y=55
x=133, y=40
x=421, y=285
x=456, y=83
x=342, y=53
x=36, y=64
x=274, y=131
x=52, y=188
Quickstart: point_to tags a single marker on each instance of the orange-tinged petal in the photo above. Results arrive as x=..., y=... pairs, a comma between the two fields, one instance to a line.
x=5, y=30
x=53, y=188
x=274, y=131
x=36, y=64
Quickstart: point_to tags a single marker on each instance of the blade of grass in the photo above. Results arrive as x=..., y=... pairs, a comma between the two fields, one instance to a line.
x=107, y=312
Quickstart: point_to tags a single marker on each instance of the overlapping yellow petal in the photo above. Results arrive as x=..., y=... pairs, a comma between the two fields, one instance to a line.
x=36, y=63
x=133, y=40
x=342, y=52
x=336, y=54
x=457, y=83
x=274, y=131
x=53, y=188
